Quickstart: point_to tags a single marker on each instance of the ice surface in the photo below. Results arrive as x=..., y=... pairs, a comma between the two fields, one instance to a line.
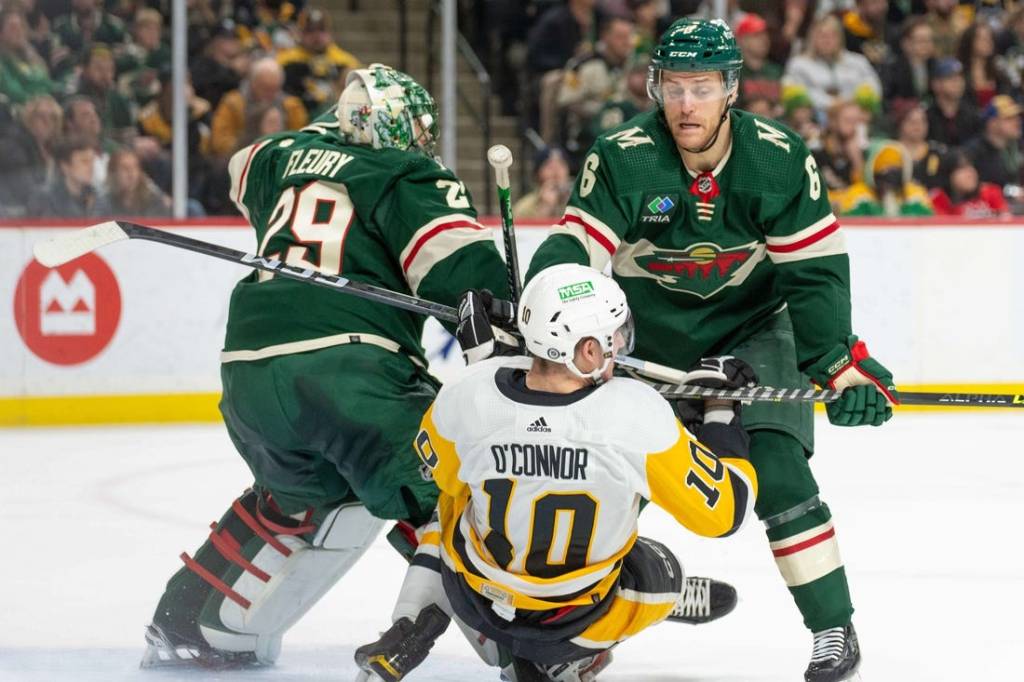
x=927, y=510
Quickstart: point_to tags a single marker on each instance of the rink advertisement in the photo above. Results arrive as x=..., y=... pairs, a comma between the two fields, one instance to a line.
x=133, y=332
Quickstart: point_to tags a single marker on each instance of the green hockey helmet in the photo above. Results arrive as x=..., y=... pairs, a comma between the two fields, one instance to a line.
x=695, y=45
x=386, y=109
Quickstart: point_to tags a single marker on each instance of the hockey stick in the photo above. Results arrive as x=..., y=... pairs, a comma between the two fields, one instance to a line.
x=59, y=250
x=500, y=158
x=765, y=393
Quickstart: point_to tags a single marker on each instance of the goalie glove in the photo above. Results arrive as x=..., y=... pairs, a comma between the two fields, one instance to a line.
x=868, y=389
x=479, y=332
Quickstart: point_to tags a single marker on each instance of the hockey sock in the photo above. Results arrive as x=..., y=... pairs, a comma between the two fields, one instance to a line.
x=800, y=531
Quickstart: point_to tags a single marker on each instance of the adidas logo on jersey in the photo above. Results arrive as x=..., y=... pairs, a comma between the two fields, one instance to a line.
x=539, y=426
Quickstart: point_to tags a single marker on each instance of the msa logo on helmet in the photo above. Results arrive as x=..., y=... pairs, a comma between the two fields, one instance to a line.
x=702, y=269
x=575, y=291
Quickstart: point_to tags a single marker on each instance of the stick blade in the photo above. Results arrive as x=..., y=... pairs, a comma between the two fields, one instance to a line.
x=59, y=250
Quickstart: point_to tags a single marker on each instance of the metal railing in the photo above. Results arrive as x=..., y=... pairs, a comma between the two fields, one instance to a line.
x=482, y=113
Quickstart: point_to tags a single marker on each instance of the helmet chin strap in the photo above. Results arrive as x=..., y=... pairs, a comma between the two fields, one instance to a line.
x=594, y=376
x=714, y=136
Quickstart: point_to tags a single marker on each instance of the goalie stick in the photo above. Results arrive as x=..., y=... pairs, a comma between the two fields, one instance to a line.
x=59, y=250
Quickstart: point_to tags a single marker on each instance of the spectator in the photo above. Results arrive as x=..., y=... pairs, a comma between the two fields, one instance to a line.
x=650, y=22
x=266, y=25
x=562, y=32
x=97, y=83
x=887, y=188
x=154, y=147
x=28, y=153
x=911, y=128
x=947, y=24
x=592, y=79
x=82, y=122
x=827, y=69
x=798, y=114
x=788, y=22
x=129, y=192
x=315, y=69
x=952, y=119
x=236, y=119
x=996, y=153
x=963, y=194
x=86, y=25
x=631, y=100
x=867, y=31
x=46, y=44
x=23, y=73
x=221, y=67
x=841, y=156
x=1012, y=61
x=759, y=77
x=908, y=76
x=70, y=194
x=552, y=186
x=140, y=61
x=985, y=78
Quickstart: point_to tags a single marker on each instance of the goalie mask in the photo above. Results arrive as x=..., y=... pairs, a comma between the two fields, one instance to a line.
x=565, y=304
x=386, y=109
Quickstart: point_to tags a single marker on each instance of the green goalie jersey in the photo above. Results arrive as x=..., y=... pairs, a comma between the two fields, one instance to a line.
x=706, y=258
x=391, y=218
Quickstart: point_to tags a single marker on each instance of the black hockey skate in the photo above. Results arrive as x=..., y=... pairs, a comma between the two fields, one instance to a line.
x=162, y=652
x=404, y=646
x=835, y=657
x=703, y=600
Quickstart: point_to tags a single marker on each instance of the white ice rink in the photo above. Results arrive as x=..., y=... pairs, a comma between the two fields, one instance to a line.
x=927, y=509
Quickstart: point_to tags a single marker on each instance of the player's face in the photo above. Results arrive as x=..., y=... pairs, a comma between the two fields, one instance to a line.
x=693, y=104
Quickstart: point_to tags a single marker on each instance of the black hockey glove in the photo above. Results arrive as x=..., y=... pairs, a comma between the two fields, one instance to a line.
x=480, y=331
x=719, y=371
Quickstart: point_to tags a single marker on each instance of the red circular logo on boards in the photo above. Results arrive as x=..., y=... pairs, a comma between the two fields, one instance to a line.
x=67, y=315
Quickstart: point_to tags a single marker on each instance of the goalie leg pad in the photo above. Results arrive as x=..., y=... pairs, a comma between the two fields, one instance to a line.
x=259, y=572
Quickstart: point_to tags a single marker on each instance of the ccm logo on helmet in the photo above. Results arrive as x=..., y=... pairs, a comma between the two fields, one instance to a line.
x=681, y=53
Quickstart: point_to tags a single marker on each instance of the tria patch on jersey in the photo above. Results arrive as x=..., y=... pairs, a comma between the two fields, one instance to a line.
x=702, y=269
x=658, y=208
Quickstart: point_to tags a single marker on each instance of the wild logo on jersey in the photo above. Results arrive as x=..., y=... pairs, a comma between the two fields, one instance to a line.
x=702, y=269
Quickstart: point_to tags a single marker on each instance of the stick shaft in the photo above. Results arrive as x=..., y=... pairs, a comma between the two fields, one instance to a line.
x=335, y=282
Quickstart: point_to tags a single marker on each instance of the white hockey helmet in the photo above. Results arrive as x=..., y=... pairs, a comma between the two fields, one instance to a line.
x=567, y=303
x=386, y=109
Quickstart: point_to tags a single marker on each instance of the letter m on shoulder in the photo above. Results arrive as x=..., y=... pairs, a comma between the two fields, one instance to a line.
x=773, y=135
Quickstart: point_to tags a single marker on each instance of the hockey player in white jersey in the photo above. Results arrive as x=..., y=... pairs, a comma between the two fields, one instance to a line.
x=542, y=463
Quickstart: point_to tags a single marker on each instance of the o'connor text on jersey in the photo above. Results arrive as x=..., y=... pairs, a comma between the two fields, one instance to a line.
x=529, y=459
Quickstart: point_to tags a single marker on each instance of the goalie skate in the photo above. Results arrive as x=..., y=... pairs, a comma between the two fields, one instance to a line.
x=162, y=652
x=703, y=600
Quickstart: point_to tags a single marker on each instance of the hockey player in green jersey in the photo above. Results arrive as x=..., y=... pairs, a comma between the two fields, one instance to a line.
x=717, y=225
x=323, y=393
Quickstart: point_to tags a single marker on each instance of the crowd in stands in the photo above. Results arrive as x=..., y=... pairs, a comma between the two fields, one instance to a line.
x=86, y=98
x=911, y=107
